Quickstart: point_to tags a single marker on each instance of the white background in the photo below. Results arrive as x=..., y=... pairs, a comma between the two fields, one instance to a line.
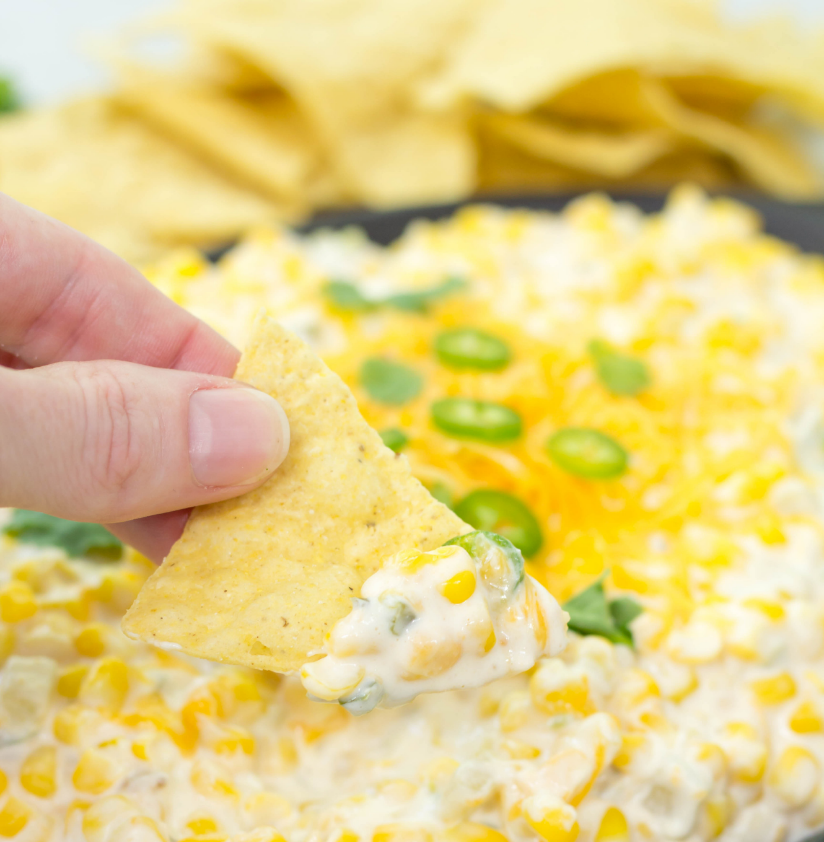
x=47, y=45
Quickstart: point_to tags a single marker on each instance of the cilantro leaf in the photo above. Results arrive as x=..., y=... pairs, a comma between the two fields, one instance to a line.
x=390, y=383
x=620, y=373
x=394, y=438
x=75, y=539
x=9, y=100
x=591, y=613
x=345, y=296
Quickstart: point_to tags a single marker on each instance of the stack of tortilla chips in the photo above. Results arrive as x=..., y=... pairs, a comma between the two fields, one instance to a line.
x=282, y=107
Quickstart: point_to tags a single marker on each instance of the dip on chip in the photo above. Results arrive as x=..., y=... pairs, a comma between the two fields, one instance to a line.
x=260, y=579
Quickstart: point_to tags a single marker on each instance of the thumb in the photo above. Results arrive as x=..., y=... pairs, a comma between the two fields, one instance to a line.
x=112, y=441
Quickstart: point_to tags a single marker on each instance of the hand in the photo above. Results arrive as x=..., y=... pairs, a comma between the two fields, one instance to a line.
x=116, y=405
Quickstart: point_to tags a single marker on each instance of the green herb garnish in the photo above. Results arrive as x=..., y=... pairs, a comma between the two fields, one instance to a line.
x=620, y=373
x=75, y=539
x=394, y=439
x=9, y=100
x=390, y=383
x=466, y=347
x=590, y=612
x=343, y=295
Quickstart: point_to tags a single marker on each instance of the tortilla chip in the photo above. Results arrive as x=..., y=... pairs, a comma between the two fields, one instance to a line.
x=264, y=143
x=259, y=580
x=101, y=171
x=611, y=154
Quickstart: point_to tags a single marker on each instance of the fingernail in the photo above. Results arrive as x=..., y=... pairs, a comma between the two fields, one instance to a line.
x=236, y=436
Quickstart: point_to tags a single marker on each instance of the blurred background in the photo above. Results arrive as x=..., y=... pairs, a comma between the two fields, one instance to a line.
x=158, y=123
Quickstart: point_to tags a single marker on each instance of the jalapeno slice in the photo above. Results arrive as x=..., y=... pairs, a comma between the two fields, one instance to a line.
x=465, y=347
x=471, y=419
x=499, y=561
x=587, y=453
x=503, y=514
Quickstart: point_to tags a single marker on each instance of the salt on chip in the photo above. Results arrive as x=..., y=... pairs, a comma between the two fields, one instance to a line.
x=259, y=580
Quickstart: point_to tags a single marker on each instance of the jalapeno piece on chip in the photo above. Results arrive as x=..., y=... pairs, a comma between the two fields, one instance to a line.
x=465, y=347
x=499, y=561
x=472, y=419
x=503, y=514
x=587, y=453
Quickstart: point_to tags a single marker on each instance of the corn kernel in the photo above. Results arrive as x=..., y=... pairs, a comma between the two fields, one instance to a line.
x=795, y=776
x=202, y=825
x=613, y=827
x=437, y=772
x=557, y=688
x=263, y=834
x=70, y=679
x=14, y=816
x=266, y=808
x=139, y=750
x=6, y=643
x=806, y=719
x=631, y=745
x=771, y=609
x=718, y=811
x=774, y=690
x=95, y=772
x=91, y=642
x=402, y=832
x=459, y=588
x=347, y=835
x=208, y=781
x=552, y=819
x=233, y=739
x=38, y=774
x=520, y=751
x=16, y=602
x=746, y=754
x=514, y=710
x=472, y=832
x=430, y=657
x=105, y=815
x=106, y=685
x=70, y=722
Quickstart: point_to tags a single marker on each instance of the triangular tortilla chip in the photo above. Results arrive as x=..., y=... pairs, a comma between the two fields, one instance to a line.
x=260, y=579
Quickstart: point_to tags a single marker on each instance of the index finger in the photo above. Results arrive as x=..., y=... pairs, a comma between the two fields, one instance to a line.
x=63, y=297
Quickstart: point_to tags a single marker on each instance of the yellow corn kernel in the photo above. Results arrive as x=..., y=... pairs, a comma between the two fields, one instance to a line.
x=411, y=561
x=398, y=789
x=101, y=816
x=520, y=751
x=613, y=827
x=430, y=657
x=263, y=834
x=139, y=750
x=95, y=772
x=459, y=588
x=4, y=781
x=746, y=753
x=806, y=719
x=768, y=528
x=714, y=757
x=347, y=835
x=202, y=825
x=208, y=781
x=6, y=643
x=402, y=832
x=91, y=642
x=38, y=774
x=68, y=684
x=795, y=776
x=514, y=710
x=437, y=772
x=234, y=690
x=70, y=722
x=473, y=832
x=233, y=739
x=266, y=808
x=14, y=817
x=552, y=819
x=774, y=690
x=636, y=686
x=16, y=602
x=119, y=588
x=718, y=811
x=106, y=685
x=557, y=688
x=771, y=609
x=632, y=744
